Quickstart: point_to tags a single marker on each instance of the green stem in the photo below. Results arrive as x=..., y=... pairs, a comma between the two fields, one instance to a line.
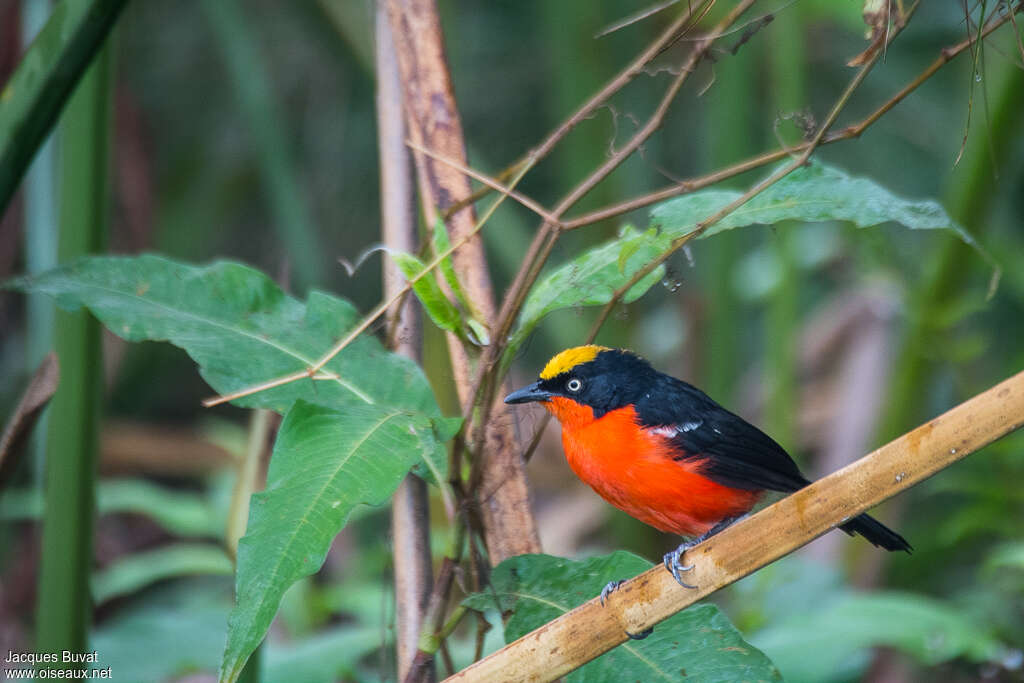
x=64, y=609
x=40, y=239
x=36, y=93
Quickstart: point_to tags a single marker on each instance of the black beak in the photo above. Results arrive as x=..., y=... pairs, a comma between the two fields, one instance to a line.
x=529, y=394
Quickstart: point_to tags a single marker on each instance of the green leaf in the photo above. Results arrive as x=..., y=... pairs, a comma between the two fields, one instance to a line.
x=814, y=193
x=37, y=91
x=240, y=328
x=442, y=244
x=1009, y=555
x=478, y=333
x=435, y=303
x=698, y=644
x=134, y=572
x=324, y=464
x=591, y=278
x=186, y=617
x=807, y=646
x=328, y=656
x=179, y=512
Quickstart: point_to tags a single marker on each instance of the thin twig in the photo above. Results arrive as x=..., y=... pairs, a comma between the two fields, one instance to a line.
x=489, y=182
x=685, y=21
x=757, y=189
x=852, y=131
x=381, y=309
x=548, y=233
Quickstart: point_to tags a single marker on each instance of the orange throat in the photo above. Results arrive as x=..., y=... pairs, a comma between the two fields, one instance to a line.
x=642, y=472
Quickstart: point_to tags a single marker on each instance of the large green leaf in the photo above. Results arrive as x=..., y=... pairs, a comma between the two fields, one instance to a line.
x=324, y=464
x=591, y=278
x=698, y=644
x=240, y=328
x=813, y=193
x=815, y=645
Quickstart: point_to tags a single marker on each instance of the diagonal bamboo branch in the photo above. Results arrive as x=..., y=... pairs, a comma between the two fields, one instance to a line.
x=590, y=630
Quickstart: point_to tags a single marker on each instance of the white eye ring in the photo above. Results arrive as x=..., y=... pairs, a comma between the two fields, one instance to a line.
x=574, y=385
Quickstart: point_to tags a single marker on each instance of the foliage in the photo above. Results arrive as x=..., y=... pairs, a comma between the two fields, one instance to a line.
x=324, y=463
x=240, y=328
x=352, y=443
x=696, y=644
x=816, y=628
x=352, y=431
x=814, y=193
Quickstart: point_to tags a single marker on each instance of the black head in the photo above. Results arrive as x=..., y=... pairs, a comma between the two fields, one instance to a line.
x=604, y=379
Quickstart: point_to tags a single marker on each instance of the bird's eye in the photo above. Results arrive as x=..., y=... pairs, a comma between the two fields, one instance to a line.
x=574, y=385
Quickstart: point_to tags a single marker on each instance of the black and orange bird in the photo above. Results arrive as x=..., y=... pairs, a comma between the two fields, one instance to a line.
x=664, y=452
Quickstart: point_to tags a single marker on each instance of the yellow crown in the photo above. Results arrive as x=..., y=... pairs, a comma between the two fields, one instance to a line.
x=570, y=358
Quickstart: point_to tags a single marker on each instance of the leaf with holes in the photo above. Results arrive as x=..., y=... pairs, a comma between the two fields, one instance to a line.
x=698, y=644
x=240, y=328
x=324, y=464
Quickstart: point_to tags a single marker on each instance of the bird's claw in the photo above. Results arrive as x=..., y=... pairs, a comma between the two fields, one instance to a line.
x=641, y=635
x=610, y=588
x=673, y=563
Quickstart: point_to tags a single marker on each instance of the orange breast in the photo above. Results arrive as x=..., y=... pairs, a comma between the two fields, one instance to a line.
x=633, y=469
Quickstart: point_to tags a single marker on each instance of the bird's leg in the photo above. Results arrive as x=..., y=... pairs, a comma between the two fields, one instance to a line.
x=673, y=560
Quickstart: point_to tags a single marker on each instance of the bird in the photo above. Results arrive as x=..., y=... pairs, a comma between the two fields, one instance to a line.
x=664, y=452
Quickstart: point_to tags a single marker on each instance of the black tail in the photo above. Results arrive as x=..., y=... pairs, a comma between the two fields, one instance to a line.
x=876, y=532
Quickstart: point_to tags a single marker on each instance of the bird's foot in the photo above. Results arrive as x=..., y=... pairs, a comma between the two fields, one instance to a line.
x=641, y=635
x=610, y=588
x=673, y=563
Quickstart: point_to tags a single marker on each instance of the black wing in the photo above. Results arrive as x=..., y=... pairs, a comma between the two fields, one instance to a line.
x=735, y=453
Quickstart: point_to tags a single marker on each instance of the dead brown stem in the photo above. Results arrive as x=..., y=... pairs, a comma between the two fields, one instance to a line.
x=410, y=518
x=434, y=124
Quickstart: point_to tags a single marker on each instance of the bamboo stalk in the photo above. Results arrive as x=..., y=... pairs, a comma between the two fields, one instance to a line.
x=46, y=76
x=410, y=517
x=590, y=630
x=64, y=608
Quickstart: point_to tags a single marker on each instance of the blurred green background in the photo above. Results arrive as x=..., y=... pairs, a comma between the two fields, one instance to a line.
x=247, y=131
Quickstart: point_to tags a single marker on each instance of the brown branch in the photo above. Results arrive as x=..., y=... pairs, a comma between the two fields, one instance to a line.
x=490, y=182
x=560, y=646
x=671, y=34
x=410, y=517
x=544, y=241
x=852, y=131
x=757, y=189
x=542, y=244
x=434, y=124
x=14, y=439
